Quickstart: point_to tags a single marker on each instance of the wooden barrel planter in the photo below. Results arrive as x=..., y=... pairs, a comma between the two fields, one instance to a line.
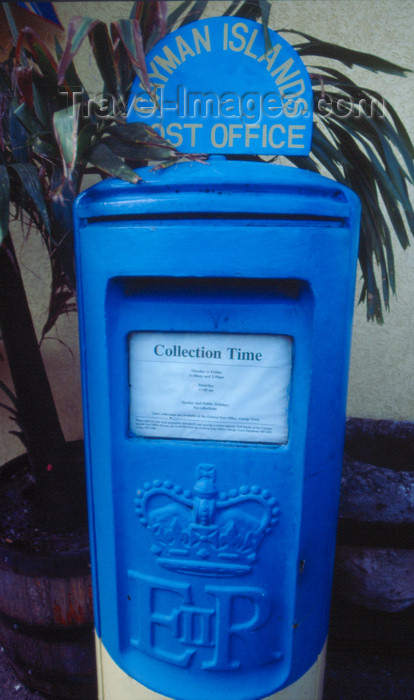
x=375, y=554
x=46, y=614
x=373, y=593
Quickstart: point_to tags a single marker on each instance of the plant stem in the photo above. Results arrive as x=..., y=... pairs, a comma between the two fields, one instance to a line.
x=35, y=404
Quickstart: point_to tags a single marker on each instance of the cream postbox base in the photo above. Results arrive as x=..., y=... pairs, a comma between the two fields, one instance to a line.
x=113, y=683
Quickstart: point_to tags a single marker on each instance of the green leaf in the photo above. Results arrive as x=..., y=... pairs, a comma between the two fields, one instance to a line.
x=396, y=220
x=388, y=131
x=304, y=162
x=61, y=205
x=175, y=15
x=10, y=21
x=29, y=177
x=397, y=175
x=85, y=138
x=250, y=9
x=265, y=10
x=373, y=161
x=349, y=57
x=326, y=154
x=400, y=128
x=375, y=236
x=8, y=393
x=139, y=152
x=319, y=138
x=104, y=56
x=340, y=78
x=394, y=177
x=42, y=108
x=4, y=202
x=390, y=257
x=192, y=11
x=9, y=409
x=233, y=7
x=195, y=13
x=28, y=119
x=65, y=123
x=45, y=149
x=106, y=161
x=18, y=134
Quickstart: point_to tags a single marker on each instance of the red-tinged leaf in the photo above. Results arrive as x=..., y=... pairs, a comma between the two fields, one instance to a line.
x=24, y=82
x=152, y=18
x=104, y=56
x=78, y=29
x=65, y=124
x=71, y=76
x=41, y=53
x=181, y=158
x=162, y=7
x=4, y=202
x=139, y=152
x=137, y=132
x=129, y=32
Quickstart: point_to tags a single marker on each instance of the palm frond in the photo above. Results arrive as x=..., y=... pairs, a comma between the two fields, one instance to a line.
x=361, y=141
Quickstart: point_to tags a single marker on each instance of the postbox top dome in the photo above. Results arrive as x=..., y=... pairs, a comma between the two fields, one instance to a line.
x=218, y=185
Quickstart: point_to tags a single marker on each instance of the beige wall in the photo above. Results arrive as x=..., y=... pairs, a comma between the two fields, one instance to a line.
x=382, y=364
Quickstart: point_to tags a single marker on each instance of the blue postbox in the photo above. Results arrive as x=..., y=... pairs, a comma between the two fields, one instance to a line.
x=215, y=307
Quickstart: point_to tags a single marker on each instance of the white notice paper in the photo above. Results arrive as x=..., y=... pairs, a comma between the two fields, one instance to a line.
x=210, y=386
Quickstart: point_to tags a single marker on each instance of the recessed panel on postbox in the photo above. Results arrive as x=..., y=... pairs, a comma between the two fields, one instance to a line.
x=207, y=426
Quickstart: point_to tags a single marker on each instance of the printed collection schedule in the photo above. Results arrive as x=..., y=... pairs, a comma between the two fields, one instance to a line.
x=207, y=386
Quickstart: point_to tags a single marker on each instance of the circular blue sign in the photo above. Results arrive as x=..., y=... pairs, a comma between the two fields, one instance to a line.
x=216, y=90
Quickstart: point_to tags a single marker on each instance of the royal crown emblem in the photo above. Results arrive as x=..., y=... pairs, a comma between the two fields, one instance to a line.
x=204, y=532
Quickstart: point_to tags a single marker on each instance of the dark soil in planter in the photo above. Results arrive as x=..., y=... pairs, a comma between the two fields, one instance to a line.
x=384, y=443
x=17, y=523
